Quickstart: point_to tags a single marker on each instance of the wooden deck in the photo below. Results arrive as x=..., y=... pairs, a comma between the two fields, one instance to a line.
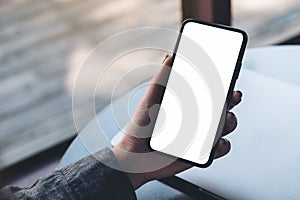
x=42, y=43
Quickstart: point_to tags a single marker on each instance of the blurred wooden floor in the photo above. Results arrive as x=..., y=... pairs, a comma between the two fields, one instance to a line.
x=42, y=43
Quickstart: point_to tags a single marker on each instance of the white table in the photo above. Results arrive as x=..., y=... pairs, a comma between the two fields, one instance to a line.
x=264, y=162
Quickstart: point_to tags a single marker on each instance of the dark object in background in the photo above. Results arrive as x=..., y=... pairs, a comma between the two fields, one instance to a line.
x=292, y=41
x=207, y=10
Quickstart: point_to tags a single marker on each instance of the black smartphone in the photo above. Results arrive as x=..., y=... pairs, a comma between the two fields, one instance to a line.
x=205, y=66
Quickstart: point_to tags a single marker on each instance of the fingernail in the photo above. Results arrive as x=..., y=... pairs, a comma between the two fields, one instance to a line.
x=165, y=58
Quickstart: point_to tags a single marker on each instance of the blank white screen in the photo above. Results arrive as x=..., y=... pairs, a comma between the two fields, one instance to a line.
x=222, y=48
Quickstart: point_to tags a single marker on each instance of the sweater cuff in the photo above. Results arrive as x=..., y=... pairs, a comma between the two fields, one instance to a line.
x=90, y=178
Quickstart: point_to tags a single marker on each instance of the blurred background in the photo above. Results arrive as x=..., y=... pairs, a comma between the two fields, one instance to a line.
x=43, y=43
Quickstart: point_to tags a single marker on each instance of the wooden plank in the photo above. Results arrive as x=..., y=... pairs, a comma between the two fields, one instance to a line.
x=31, y=40
x=31, y=85
x=43, y=137
x=36, y=29
x=24, y=8
x=29, y=118
x=34, y=58
x=13, y=155
x=27, y=9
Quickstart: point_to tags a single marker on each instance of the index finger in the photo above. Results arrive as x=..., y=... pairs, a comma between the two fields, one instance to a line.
x=235, y=100
x=157, y=85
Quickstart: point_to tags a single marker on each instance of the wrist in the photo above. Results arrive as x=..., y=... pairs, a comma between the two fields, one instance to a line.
x=137, y=179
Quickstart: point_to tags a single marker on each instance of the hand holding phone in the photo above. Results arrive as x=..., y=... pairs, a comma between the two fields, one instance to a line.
x=138, y=141
x=205, y=65
x=134, y=141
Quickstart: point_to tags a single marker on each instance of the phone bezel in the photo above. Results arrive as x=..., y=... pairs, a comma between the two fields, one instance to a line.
x=229, y=92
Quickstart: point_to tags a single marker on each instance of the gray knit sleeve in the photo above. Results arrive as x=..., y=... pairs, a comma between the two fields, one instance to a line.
x=86, y=179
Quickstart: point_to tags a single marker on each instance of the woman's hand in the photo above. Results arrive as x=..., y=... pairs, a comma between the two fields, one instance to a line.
x=131, y=142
